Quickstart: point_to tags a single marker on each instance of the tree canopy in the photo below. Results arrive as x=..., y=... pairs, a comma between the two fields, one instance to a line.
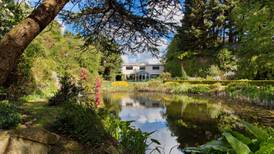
x=134, y=25
x=231, y=35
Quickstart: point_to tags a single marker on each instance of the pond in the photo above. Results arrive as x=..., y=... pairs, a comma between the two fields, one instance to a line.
x=181, y=121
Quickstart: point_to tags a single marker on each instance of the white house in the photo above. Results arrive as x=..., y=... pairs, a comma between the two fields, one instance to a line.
x=139, y=72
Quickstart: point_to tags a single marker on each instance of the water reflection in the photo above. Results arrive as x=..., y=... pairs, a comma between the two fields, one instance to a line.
x=179, y=121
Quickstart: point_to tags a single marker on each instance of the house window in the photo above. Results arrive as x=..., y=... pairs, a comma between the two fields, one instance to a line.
x=129, y=67
x=142, y=68
x=155, y=67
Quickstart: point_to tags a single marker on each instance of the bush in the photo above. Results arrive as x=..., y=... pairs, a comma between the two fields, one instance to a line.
x=191, y=88
x=226, y=60
x=132, y=140
x=9, y=116
x=81, y=121
x=171, y=84
x=199, y=89
x=154, y=83
x=91, y=127
x=69, y=90
x=165, y=76
x=214, y=71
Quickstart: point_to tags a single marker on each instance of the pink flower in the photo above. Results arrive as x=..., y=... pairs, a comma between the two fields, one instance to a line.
x=97, y=92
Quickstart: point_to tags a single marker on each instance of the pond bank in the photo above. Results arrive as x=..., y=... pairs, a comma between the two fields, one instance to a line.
x=262, y=95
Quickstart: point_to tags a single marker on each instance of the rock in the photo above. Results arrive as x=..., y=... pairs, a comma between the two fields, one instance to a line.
x=112, y=150
x=39, y=135
x=4, y=141
x=21, y=146
x=67, y=147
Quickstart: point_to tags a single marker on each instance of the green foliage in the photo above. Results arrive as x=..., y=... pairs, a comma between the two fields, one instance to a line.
x=81, y=121
x=69, y=90
x=198, y=65
x=165, y=76
x=10, y=14
x=173, y=64
x=238, y=146
x=9, y=115
x=132, y=140
x=252, y=92
x=226, y=60
x=190, y=88
x=50, y=55
x=111, y=62
x=214, y=70
x=215, y=146
x=256, y=22
x=253, y=140
x=240, y=31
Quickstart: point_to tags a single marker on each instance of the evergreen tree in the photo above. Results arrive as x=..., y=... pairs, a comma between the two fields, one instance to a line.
x=173, y=63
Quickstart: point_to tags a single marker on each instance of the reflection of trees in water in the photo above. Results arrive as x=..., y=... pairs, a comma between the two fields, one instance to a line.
x=194, y=120
x=112, y=104
x=192, y=123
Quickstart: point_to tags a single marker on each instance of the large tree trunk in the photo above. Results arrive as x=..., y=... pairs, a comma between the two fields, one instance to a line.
x=16, y=41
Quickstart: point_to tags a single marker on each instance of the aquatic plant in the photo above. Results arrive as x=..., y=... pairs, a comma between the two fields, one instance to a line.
x=253, y=140
x=252, y=93
x=132, y=140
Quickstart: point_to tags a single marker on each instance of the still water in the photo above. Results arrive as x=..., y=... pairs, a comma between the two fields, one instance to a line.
x=181, y=121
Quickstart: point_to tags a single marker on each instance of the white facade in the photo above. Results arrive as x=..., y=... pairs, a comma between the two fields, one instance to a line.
x=139, y=72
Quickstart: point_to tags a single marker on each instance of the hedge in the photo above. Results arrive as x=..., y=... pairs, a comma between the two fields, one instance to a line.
x=224, y=82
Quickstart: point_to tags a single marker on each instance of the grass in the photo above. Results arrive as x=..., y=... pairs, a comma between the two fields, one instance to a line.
x=39, y=113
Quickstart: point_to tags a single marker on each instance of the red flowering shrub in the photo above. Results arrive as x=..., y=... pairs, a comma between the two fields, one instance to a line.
x=97, y=91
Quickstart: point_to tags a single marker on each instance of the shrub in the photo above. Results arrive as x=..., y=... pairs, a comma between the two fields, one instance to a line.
x=183, y=88
x=165, y=76
x=81, y=121
x=171, y=84
x=199, y=89
x=214, y=71
x=154, y=83
x=191, y=88
x=226, y=60
x=91, y=127
x=9, y=116
x=69, y=90
x=132, y=140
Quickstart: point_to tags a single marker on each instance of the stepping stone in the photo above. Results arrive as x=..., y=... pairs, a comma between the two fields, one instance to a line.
x=4, y=141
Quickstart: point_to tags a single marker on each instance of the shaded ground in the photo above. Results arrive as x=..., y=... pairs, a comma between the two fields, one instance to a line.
x=34, y=134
